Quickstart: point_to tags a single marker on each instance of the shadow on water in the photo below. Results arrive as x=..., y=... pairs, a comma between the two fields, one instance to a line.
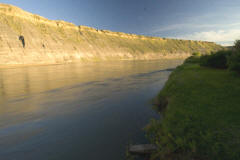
x=72, y=111
x=154, y=72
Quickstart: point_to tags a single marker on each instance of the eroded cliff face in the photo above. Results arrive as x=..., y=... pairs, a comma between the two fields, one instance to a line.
x=26, y=38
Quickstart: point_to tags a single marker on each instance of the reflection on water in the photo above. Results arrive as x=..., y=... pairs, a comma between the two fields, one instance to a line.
x=72, y=111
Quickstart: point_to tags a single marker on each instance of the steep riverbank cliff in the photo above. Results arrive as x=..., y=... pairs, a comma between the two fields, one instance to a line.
x=26, y=38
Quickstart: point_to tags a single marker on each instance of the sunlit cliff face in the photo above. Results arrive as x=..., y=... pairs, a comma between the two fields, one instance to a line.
x=51, y=42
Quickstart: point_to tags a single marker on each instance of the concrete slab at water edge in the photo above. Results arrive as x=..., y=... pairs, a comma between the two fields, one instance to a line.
x=142, y=149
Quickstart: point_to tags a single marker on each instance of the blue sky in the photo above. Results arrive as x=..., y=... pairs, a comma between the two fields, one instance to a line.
x=208, y=20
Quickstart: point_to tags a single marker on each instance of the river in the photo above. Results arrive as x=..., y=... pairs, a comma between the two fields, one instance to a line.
x=84, y=111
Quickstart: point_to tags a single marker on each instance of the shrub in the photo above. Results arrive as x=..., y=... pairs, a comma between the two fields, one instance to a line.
x=196, y=54
x=192, y=59
x=234, y=62
x=216, y=60
x=237, y=45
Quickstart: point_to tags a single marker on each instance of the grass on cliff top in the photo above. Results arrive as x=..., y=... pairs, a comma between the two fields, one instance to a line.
x=202, y=117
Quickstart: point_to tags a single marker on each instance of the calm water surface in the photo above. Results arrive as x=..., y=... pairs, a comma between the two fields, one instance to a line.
x=87, y=111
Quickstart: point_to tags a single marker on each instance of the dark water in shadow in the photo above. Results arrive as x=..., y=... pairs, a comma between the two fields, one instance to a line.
x=83, y=111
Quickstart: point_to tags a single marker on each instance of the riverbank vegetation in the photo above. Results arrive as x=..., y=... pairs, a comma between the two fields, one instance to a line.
x=200, y=107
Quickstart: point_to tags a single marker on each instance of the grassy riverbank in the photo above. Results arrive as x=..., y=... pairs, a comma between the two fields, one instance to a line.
x=200, y=114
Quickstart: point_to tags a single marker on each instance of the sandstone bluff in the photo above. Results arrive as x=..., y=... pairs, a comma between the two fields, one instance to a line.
x=27, y=39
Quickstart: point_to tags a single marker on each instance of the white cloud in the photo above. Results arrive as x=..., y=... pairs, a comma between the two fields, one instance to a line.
x=181, y=27
x=224, y=37
x=193, y=26
x=219, y=27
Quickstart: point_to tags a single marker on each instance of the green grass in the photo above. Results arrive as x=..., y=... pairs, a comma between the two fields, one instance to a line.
x=200, y=115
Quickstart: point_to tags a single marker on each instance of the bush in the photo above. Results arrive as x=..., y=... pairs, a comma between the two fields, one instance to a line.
x=192, y=59
x=216, y=60
x=234, y=62
x=237, y=45
x=196, y=54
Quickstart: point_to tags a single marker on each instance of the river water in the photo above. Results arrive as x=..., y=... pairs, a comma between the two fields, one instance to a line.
x=84, y=111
